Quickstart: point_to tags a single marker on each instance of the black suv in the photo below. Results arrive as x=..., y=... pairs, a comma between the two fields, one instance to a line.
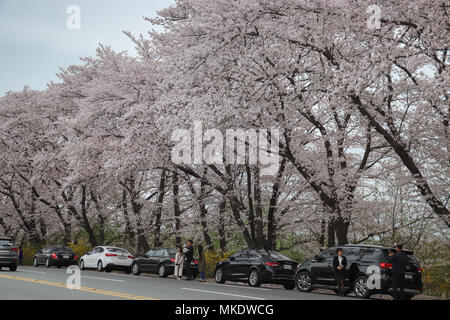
x=319, y=272
x=256, y=267
x=160, y=261
x=8, y=254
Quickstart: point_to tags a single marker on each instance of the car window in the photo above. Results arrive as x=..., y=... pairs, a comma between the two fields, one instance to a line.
x=327, y=254
x=118, y=250
x=159, y=253
x=275, y=255
x=150, y=253
x=351, y=253
x=6, y=243
x=171, y=251
x=237, y=255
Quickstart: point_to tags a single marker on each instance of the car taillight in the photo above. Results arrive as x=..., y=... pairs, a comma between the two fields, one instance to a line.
x=110, y=254
x=195, y=261
x=131, y=257
x=272, y=264
x=54, y=256
x=14, y=249
x=419, y=269
x=76, y=257
x=385, y=265
x=173, y=260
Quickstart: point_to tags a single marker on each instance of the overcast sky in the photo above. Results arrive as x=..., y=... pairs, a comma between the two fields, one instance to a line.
x=35, y=40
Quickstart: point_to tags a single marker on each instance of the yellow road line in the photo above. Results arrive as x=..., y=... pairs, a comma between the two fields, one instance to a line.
x=92, y=290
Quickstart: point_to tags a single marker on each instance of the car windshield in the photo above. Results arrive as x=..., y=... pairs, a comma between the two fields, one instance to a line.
x=6, y=243
x=274, y=255
x=62, y=249
x=171, y=251
x=117, y=250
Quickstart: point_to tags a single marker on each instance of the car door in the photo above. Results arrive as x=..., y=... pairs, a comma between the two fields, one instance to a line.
x=234, y=270
x=90, y=261
x=144, y=261
x=155, y=259
x=322, y=268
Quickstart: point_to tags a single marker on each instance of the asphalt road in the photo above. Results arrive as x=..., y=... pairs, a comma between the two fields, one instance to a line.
x=31, y=283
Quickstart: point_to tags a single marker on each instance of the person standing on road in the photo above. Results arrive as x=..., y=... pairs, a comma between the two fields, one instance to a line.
x=179, y=260
x=339, y=265
x=398, y=260
x=20, y=256
x=189, y=256
x=201, y=263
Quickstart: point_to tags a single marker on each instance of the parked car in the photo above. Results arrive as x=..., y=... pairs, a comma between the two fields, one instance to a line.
x=160, y=261
x=257, y=267
x=107, y=258
x=319, y=272
x=55, y=256
x=8, y=254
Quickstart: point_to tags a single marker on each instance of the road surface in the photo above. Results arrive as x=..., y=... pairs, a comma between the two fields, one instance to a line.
x=31, y=283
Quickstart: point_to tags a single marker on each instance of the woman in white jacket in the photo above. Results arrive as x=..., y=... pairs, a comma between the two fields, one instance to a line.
x=179, y=261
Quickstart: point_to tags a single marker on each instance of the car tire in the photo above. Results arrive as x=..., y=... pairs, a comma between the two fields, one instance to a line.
x=254, y=279
x=290, y=285
x=99, y=266
x=35, y=264
x=218, y=276
x=82, y=267
x=360, y=287
x=13, y=267
x=162, y=271
x=303, y=282
x=135, y=269
x=48, y=264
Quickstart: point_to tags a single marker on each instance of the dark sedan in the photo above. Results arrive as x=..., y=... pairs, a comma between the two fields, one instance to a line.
x=160, y=261
x=8, y=254
x=256, y=267
x=55, y=256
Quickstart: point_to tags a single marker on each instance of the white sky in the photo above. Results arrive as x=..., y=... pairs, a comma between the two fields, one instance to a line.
x=35, y=40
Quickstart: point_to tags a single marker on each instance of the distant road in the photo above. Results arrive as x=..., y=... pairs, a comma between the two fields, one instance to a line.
x=30, y=283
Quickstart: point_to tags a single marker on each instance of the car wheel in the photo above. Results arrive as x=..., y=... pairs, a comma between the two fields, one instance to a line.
x=13, y=267
x=48, y=263
x=135, y=269
x=218, y=276
x=254, y=280
x=100, y=266
x=82, y=267
x=162, y=271
x=290, y=285
x=35, y=264
x=304, y=282
x=360, y=287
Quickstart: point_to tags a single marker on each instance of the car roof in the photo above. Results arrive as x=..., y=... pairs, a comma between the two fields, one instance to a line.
x=373, y=247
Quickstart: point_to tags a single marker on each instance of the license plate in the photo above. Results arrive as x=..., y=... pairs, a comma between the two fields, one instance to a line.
x=121, y=257
x=65, y=257
x=287, y=267
x=408, y=276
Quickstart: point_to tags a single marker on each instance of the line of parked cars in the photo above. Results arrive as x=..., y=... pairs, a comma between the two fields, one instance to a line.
x=252, y=266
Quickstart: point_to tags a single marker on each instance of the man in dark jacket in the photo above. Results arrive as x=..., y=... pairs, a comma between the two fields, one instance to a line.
x=189, y=256
x=398, y=260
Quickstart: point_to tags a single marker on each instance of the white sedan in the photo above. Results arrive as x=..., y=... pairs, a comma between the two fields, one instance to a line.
x=107, y=258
